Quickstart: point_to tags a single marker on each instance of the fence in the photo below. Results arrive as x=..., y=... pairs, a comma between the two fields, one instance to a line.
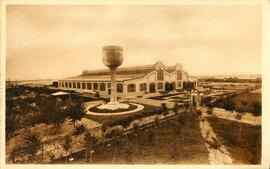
x=49, y=149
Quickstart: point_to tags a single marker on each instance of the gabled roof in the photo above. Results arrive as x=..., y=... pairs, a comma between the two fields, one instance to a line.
x=144, y=69
x=122, y=73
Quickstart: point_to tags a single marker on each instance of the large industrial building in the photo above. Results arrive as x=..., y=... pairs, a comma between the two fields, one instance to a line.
x=132, y=81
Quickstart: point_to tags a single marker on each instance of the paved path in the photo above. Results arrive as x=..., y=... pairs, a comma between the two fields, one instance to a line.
x=219, y=154
x=152, y=102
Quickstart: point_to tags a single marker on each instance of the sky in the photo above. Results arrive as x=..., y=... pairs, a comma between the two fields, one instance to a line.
x=58, y=41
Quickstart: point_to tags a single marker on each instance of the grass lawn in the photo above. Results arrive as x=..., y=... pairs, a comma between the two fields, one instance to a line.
x=192, y=148
x=105, y=119
x=242, y=151
x=250, y=98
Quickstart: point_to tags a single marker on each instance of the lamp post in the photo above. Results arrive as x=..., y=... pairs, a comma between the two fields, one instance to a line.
x=112, y=57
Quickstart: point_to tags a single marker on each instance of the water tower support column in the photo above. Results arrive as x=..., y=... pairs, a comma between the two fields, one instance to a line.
x=113, y=98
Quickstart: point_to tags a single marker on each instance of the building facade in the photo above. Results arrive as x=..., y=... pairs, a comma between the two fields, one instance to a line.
x=132, y=81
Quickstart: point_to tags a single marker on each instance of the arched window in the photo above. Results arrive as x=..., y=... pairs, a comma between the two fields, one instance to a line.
x=143, y=87
x=119, y=87
x=179, y=84
x=66, y=84
x=131, y=88
x=78, y=85
x=83, y=86
x=74, y=84
x=109, y=85
x=160, y=85
x=69, y=84
x=152, y=87
x=89, y=86
x=160, y=74
x=179, y=75
x=95, y=87
x=102, y=87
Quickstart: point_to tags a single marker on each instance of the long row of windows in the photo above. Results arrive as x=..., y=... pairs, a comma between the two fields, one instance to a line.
x=119, y=86
x=91, y=86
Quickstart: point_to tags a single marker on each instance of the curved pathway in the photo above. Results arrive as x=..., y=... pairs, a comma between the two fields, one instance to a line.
x=217, y=154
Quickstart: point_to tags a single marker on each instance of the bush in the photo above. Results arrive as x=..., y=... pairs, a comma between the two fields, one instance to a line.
x=79, y=129
x=33, y=142
x=209, y=111
x=257, y=108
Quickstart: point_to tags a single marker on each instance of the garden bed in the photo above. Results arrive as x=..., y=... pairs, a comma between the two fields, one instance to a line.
x=98, y=110
x=246, y=150
x=159, y=149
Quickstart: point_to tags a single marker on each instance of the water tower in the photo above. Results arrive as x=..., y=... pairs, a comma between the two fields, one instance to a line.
x=112, y=57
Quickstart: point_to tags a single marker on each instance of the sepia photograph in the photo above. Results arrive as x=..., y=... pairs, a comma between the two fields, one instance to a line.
x=134, y=84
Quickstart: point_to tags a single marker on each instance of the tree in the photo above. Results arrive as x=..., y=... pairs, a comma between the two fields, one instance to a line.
x=165, y=109
x=76, y=111
x=151, y=140
x=125, y=123
x=117, y=135
x=157, y=125
x=33, y=143
x=239, y=116
x=176, y=108
x=128, y=154
x=228, y=104
x=209, y=111
x=90, y=142
x=181, y=123
x=257, y=108
x=136, y=129
x=175, y=152
x=67, y=145
x=206, y=101
x=79, y=129
x=11, y=124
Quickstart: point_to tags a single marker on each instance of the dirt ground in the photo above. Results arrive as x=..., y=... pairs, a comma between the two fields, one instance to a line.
x=245, y=149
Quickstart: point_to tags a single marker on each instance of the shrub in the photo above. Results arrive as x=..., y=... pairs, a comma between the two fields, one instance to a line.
x=257, y=108
x=33, y=142
x=209, y=111
x=79, y=129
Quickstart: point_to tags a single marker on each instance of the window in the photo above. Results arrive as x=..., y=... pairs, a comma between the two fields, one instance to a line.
x=102, y=87
x=179, y=84
x=160, y=85
x=83, y=86
x=179, y=75
x=119, y=87
x=160, y=74
x=74, y=84
x=69, y=84
x=89, y=86
x=78, y=85
x=131, y=88
x=109, y=85
x=95, y=86
x=143, y=87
